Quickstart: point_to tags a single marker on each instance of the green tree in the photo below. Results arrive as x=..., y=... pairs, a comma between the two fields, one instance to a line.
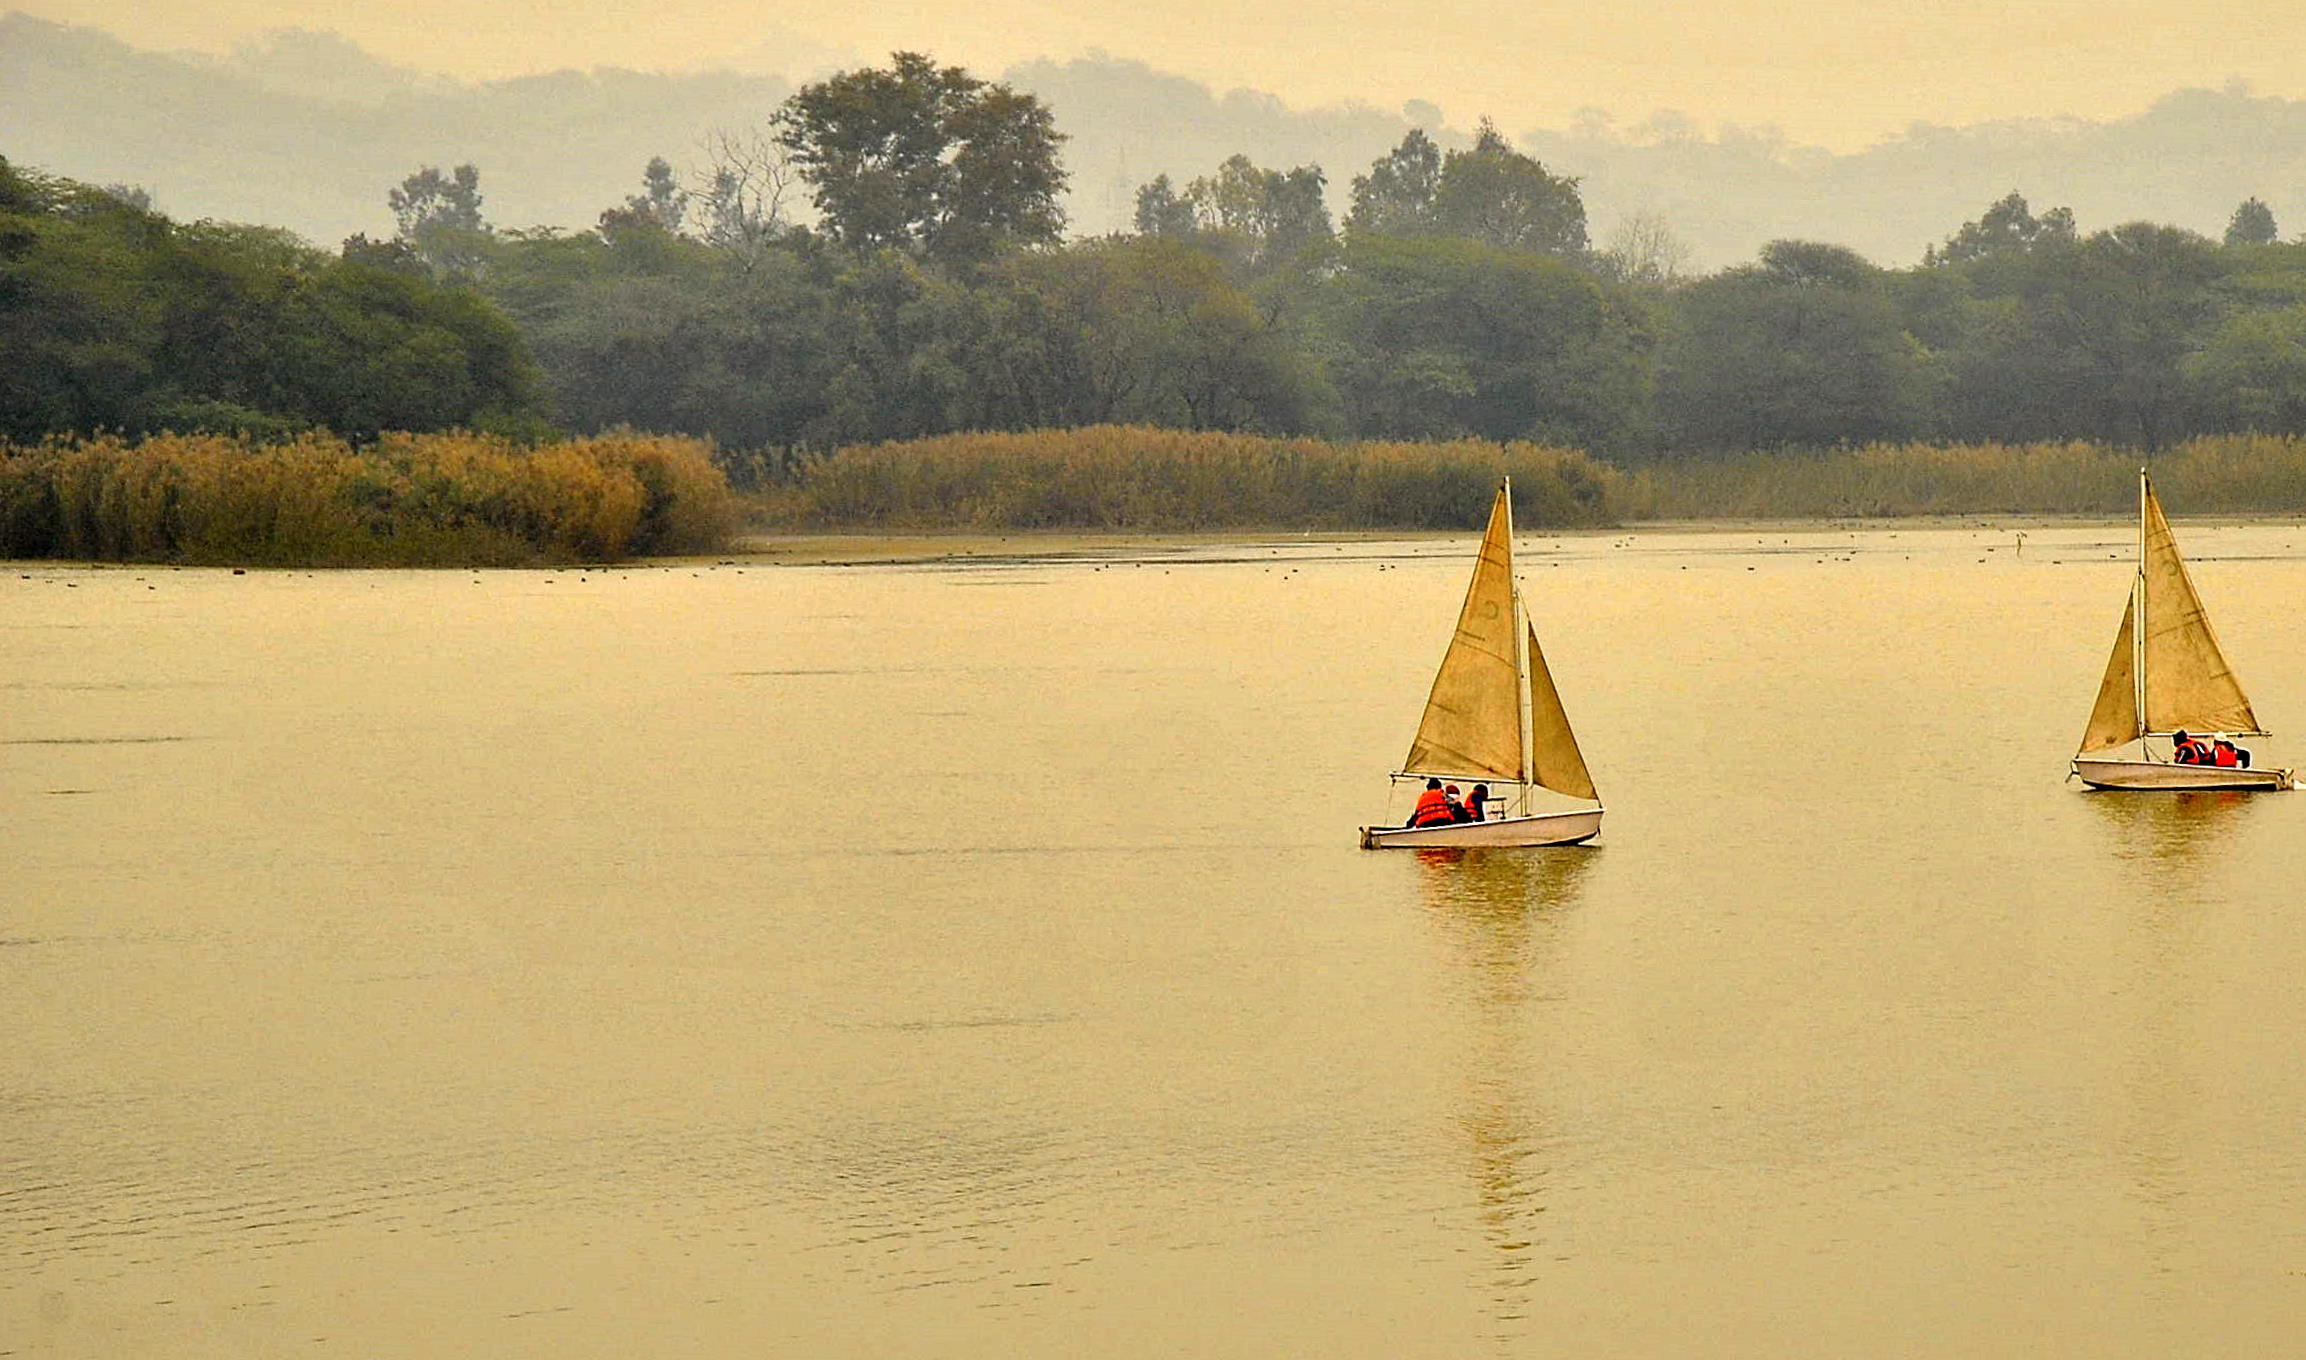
x=80, y=311
x=661, y=203
x=116, y=317
x=439, y=220
x=898, y=336
x=1496, y=195
x=2088, y=341
x=369, y=350
x=1396, y=197
x=2007, y=227
x=926, y=159
x=1260, y=218
x=2251, y=225
x=2251, y=371
x=1162, y=211
x=1143, y=330
x=650, y=330
x=130, y=195
x=1489, y=193
x=1802, y=348
x=1440, y=337
x=258, y=323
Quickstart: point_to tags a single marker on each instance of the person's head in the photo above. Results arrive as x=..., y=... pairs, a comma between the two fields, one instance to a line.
x=2181, y=737
x=1432, y=784
x=1451, y=790
x=2219, y=738
x=1481, y=793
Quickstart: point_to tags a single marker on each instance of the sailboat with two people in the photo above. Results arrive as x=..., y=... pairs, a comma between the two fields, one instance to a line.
x=1494, y=716
x=2167, y=675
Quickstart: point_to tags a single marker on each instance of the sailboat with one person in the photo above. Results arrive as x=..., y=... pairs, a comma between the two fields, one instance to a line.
x=2167, y=677
x=1494, y=717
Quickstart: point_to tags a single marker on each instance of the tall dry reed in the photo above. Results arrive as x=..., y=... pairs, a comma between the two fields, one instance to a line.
x=407, y=500
x=1114, y=477
x=2216, y=474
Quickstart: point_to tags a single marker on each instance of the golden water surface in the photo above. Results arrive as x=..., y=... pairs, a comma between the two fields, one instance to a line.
x=945, y=960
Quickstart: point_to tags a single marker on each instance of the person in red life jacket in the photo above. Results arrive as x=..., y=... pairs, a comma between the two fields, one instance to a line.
x=2227, y=754
x=1476, y=803
x=2189, y=750
x=1432, y=807
x=1456, y=805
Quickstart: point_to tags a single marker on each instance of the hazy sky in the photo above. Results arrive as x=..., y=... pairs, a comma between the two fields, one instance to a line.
x=1837, y=73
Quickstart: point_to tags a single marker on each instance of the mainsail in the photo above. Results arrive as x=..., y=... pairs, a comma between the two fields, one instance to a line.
x=1472, y=723
x=2187, y=682
x=2167, y=671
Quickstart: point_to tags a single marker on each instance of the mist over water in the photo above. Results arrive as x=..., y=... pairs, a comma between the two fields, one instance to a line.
x=961, y=959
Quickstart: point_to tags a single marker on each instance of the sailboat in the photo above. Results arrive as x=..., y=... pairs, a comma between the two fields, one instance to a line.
x=1495, y=717
x=2167, y=674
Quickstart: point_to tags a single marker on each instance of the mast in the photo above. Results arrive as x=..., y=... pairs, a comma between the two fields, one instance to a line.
x=2138, y=598
x=1520, y=657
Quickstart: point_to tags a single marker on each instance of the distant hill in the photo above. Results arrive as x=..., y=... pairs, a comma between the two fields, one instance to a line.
x=307, y=131
x=2189, y=161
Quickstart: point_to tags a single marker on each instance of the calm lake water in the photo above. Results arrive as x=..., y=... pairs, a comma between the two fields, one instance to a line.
x=948, y=960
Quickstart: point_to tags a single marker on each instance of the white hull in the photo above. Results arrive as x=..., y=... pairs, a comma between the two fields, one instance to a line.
x=1546, y=828
x=2100, y=773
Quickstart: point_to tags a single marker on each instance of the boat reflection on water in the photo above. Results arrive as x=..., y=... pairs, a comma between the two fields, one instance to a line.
x=1502, y=916
x=2168, y=885
x=1481, y=881
x=2174, y=836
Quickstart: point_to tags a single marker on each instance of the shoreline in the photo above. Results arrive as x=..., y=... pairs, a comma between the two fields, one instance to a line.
x=848, y=547
x=855, y=548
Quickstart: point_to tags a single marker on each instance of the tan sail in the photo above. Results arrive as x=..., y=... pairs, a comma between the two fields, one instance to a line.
x=1472, y=723
x=1555, y=761
x=2114, y=718
x=2187, y=681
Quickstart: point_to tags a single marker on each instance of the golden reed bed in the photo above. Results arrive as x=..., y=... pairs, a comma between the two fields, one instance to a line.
x=465, y=499
x=1139, y=479
x=406, y=500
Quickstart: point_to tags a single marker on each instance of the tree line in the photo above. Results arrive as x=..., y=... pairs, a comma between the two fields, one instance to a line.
x=113, y=317
x=929, y=287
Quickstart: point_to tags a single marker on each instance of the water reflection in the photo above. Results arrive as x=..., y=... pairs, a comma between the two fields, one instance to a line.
x=1503, y=915
x=2170, y=851
x=2175, y=836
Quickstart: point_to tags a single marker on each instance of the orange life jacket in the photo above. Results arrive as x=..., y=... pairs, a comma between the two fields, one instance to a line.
x=2191, y=752
x=2225, y=754
x=1432, y=809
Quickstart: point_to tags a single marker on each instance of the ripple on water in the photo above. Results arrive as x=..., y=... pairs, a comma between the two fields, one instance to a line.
x=89, y=741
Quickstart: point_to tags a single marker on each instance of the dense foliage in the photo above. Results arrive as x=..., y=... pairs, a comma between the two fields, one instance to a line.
x=926, y=157
x=1239, y=307
x=113, y=317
